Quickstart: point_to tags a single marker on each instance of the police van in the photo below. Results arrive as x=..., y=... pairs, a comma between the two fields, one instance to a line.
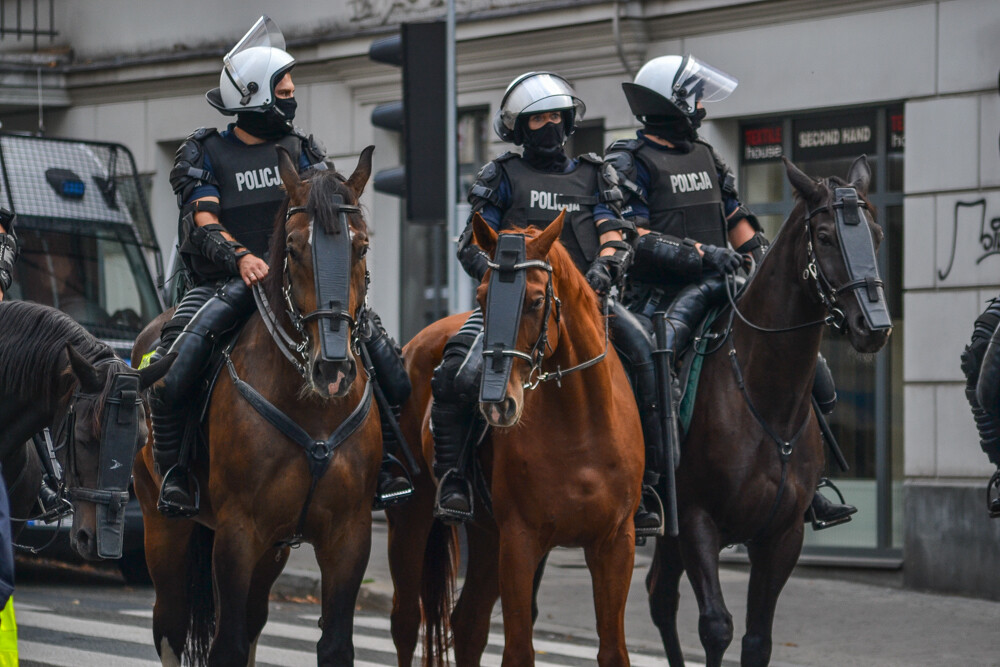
x=88, y=249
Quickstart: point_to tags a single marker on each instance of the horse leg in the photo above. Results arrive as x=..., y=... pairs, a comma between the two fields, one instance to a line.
x=662, y=585
x=409, y=526
x=520, y=554
x=170, y=570
x=342, y=555
x=611, y=564
x=470, y=620
x=771, y=563
x=268, y=568
x=234, y=560
x=700, y=551
x=539, y=572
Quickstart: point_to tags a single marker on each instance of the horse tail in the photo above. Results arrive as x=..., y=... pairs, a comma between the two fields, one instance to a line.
x=201, y=598
x=437, y=591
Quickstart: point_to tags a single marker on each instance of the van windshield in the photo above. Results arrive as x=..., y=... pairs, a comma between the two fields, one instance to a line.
x=99, y=279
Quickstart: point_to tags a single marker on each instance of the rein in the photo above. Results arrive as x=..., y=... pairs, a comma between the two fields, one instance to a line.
x=536, y=357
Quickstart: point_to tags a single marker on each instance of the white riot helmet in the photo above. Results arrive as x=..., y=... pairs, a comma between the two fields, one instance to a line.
x=673, y=85
x=251, y=70
x=536, y=92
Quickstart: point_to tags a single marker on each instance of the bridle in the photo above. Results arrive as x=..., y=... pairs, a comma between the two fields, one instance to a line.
x=536, y=357
x=295, y=346
x=825, y=291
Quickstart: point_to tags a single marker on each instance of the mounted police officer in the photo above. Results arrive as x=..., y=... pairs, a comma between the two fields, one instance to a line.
x=683, y=200
x=981, y=366
x=229, y=193
x=51, y=503
x=539, y=111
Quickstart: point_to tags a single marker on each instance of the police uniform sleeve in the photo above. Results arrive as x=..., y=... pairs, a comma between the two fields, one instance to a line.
x=489, y=197
x=8, y=249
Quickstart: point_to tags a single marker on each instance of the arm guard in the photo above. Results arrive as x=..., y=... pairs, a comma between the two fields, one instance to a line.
x=470, y=256
x=8, y=253
x=189, y=170
x=658, y=256
x=313, y=151
x=755, y=247
x=209, y=242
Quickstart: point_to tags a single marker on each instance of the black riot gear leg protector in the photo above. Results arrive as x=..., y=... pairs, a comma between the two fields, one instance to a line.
x=394, y=384
x=455, y=386
x=980, y=363
x=169, y=398
x=635, y=346
x=52, y=503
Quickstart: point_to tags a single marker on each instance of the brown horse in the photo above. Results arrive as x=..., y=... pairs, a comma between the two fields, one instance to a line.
x=563, y=463
x=753, y=454
x=256, y=482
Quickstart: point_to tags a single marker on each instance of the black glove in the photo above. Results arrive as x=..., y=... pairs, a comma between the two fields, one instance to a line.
x=722, y=260
x=604, y=272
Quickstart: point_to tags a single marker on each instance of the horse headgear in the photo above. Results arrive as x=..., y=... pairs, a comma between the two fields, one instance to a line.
x=505, y=301
x=331, y=253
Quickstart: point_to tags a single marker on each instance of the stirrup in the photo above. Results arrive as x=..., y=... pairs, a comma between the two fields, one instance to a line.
x=383, y=500
x=175, y=510
x=648, y=492
x=993, y=495
x=449, y=516
x=818, y=524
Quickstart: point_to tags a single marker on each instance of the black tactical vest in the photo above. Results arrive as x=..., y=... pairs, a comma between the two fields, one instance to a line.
x=539, y=196
x=685, y=199
x=250, y=191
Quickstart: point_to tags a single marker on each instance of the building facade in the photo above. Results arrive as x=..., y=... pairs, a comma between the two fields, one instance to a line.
x=912, y=84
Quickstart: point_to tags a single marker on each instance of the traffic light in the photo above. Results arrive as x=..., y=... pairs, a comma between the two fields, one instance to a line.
x=419, y=50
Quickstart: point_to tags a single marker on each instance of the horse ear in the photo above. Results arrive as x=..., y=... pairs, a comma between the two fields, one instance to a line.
x=860, y=175
x=804, y=185
x=362, y=172
x=288, y=172
x=91, y=379
x=153, y=372
x=483, y=234
x=543, y=242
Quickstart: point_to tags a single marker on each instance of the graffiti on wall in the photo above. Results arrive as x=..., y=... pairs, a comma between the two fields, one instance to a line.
x=988, y=233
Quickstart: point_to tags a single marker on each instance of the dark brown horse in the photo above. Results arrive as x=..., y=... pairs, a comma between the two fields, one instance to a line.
x=732, y=485
x=254, y=479
x=563, y=463
x=50, y=366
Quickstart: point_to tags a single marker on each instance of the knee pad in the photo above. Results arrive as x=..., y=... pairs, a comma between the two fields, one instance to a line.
x=824, y=390
x=388, y=363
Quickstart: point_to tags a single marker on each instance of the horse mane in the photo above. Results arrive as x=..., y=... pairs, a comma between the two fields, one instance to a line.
x=33, y=340
x=322, y=186
x=564, y=266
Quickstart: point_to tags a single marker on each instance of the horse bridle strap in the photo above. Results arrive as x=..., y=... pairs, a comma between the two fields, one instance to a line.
x=318, y=452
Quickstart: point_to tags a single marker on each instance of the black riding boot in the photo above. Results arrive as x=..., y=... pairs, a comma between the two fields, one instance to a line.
x=649, y=516
x=450, y=425
x=391, y=488
x=823, y=512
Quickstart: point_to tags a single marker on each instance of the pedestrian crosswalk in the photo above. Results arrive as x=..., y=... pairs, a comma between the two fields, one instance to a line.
x=113, y=638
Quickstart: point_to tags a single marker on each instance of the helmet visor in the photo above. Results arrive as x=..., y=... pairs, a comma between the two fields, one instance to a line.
x=263, y=33
x=704, y=82
x=537, y=93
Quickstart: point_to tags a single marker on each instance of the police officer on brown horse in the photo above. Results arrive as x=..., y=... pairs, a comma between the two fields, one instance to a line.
x=229, y=191
x=539, y=111
x=683, y=200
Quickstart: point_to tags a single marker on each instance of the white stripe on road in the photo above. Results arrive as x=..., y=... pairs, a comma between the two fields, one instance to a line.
x=60, y=656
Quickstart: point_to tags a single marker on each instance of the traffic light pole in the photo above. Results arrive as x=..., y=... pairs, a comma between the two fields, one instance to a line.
x=454, y=275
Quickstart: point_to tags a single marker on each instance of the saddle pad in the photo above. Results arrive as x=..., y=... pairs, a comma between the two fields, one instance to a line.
x=690, y=369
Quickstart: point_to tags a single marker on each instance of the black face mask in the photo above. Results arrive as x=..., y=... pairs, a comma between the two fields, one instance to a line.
x=678, y=130
x=543, y=148
x=269, y=125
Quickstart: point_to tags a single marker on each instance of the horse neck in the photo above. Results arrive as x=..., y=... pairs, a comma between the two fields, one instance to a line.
x=581, y=334
x=778, y=365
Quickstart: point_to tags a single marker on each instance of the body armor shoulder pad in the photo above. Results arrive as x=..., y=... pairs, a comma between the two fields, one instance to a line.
x=630, y=145
x=623, y=163
x=592, y=158
x=188, y=171
x=484, y=190
x=312, y=147
x=503, y=157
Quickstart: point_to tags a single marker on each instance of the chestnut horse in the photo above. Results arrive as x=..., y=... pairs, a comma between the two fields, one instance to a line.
x=255, y=481
x=562, y=462
x=754, y=453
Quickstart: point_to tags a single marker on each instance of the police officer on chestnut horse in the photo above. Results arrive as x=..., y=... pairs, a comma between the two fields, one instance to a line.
x=539, y=111
x=683, y=201
x=229, y=192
